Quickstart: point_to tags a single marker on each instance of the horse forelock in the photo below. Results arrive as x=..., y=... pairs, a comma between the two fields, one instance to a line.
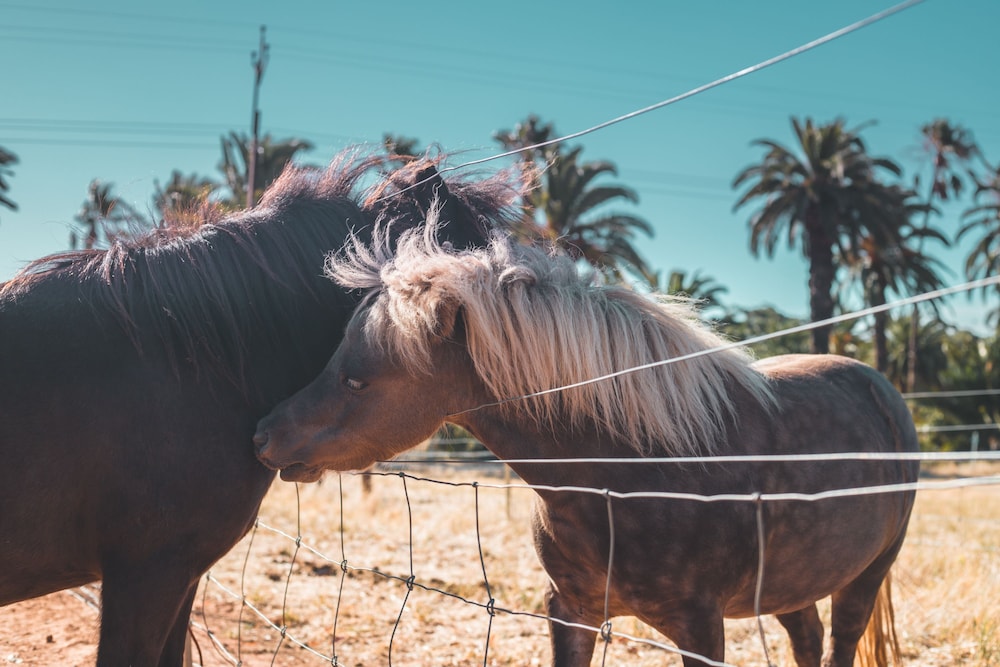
x=532, y=322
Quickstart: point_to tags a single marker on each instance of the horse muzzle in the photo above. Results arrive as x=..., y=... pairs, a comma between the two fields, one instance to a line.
x=263, y=449
x=291, y=471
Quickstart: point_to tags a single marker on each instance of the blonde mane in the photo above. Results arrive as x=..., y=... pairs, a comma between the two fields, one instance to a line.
x=532, y=322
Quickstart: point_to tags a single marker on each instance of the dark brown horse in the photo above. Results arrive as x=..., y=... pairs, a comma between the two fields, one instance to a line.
x=448, y=335
x=132, y=379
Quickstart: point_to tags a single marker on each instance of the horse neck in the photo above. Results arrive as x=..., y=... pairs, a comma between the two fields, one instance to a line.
x=296, y=349
x=238, y=320
x=519, y=441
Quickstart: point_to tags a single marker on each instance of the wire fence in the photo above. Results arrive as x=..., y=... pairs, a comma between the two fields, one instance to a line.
x=345, y=567
x=331, y=575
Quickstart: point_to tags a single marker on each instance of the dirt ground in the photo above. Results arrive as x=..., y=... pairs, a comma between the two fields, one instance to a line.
x=947, y=587
x=57, y=629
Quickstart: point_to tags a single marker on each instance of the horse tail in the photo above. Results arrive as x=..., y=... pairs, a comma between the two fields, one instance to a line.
x=879, y=646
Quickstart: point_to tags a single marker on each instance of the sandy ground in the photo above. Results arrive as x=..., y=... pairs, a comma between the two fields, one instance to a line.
x=947, y=587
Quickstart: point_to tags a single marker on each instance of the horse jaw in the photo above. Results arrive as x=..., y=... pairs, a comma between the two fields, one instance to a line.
x=300, y=472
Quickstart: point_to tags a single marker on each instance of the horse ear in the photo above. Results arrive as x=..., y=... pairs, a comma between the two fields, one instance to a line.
x=428, y=186
x=456, y=220
x=448, y=312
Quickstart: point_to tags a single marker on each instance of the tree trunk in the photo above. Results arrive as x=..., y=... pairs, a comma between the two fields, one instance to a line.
x=821, y=274
x=881, y=320
x=911, y=347
x=911, y=350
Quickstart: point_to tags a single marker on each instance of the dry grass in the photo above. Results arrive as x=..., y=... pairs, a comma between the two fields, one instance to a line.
x=948, y=575
x=947, y=580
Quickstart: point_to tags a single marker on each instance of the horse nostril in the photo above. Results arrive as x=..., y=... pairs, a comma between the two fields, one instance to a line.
x=260, y=439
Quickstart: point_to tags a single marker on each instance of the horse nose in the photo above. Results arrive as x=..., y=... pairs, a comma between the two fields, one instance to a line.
x=260, y=441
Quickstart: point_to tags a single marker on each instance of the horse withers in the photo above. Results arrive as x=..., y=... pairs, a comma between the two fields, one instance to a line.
x=468, y=336
x=132, y=379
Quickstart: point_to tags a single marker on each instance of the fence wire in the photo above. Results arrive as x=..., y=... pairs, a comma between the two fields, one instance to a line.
x=489, y=606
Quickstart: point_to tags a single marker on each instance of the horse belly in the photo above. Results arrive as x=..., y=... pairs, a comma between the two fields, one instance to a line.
x=47, y=535
x=46, y=528
x=32, y=581
x=814, y=549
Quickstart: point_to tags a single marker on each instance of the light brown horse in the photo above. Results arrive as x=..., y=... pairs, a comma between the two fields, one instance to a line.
x=446, y=336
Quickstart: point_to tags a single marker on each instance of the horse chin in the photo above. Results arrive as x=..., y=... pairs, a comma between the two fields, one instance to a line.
x=300, y=472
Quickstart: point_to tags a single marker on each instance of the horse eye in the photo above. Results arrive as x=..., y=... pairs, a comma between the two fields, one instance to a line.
x=354, y=384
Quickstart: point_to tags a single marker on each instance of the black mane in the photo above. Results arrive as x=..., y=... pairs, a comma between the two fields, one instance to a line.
x=203, y=293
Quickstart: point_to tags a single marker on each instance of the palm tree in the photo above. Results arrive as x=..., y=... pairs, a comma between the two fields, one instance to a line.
x=398, y=144
x=743, y=324
x=568, y=203
x=824, y=197
x=529, y=132
x=984, y=215
x=104, y=217
x=526, y=134
x=931, y=358
x=272, y=157
x=894, y=263
x=696, y=286
x=973, y=364
x=6, y=159
x=950, y=146
x=182, y=199
x=569, y=209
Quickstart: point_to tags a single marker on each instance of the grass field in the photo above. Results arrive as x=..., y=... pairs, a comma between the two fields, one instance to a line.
x=946, y=585
x=946, y=581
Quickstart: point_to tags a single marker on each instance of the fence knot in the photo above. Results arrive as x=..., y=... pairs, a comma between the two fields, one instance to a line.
x=343, y=566
x=409, y=582
x=491, y=607
x=606, y=631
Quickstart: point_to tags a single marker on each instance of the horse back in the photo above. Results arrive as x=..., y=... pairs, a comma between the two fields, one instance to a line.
x=843, y=404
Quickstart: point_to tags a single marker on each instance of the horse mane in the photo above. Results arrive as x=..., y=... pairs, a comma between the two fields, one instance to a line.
x=532, y=322
x=204, y=290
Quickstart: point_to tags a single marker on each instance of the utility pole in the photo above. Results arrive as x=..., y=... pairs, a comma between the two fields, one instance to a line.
x=258, y=60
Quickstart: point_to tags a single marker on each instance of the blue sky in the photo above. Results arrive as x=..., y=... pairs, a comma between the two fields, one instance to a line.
x=127, y=92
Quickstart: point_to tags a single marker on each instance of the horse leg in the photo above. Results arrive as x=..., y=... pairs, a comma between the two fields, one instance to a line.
x=571, y=646
x=706, y=638
x=805, y=631
x=176, y=645
x=699, y=631
x=851, y=609
x=141, y=608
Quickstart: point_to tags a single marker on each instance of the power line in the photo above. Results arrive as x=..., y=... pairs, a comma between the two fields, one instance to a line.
x=825, y=39
x=105, y=143
x=109, y=38
x=406, y=64
x=158, y=128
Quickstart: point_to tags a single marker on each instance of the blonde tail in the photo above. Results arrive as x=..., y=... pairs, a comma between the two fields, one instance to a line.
x=879, y=646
